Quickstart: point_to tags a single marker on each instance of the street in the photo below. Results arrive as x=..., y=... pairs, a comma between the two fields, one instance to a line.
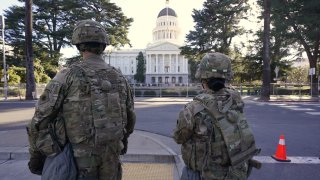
x=299, y=122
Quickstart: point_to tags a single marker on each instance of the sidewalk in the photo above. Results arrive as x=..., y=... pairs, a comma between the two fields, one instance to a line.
x=147, y=157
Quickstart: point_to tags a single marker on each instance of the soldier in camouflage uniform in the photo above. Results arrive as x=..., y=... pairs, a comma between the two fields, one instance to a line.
x=93, y=102
x=217, y=142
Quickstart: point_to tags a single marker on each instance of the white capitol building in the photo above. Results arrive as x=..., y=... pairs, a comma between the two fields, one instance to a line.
x=164, y=64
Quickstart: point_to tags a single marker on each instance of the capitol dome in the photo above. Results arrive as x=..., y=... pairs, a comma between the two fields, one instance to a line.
x=167, y=27
x=167, y=12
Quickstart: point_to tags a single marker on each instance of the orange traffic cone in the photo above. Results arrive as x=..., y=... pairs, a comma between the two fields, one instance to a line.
x=281, y=154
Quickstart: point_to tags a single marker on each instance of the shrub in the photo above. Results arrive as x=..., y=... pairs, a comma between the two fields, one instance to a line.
x=169, y=93
x=191, y=93
x=137, y=93
x=13, y=92
x=149, y=93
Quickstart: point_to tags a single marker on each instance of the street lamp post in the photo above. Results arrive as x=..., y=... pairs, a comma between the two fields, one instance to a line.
x=5, y=84
x=109, y=51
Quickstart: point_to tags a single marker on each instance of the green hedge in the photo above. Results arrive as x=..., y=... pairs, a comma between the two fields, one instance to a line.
x=169, y=93
x=281, y=91
x=138, y=93
x=13, y=92
x=149, y=93
x=191, y=93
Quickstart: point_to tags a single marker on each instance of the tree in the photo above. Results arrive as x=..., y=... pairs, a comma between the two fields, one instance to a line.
x=280, y=48
x=53, y=23
x=140, y=75
x=30, y=83
x=266, y=79
x=300, y=23
x=298, y=75
x=216, y=26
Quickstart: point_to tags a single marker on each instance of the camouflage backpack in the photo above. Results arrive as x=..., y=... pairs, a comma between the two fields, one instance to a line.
x=230, y=141
x=96, y=115
x=99, y=113
x=235, y=131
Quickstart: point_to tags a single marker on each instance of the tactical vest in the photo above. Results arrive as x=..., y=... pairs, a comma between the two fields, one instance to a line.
x=97, y=114
x=223, y=138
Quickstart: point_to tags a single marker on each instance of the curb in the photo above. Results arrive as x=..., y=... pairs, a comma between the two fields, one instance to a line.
x=177, y=159
x=148, y=158
x=22, y=153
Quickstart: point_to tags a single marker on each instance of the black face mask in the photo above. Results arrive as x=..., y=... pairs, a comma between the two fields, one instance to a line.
x=216, y=84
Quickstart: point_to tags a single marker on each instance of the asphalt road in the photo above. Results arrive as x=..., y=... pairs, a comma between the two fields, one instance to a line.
x=298, y=122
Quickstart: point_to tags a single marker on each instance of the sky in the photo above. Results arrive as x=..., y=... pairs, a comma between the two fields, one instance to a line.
x=144, y=14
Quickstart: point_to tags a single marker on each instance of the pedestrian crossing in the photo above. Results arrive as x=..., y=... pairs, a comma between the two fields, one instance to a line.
x=308, y=108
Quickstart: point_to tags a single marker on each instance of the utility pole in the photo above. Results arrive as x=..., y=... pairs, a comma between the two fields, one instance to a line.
x=5, y=80
x=30, y=84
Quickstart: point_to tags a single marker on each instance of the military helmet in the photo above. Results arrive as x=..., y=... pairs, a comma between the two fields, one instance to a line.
x=216, y=65
x=89, y=31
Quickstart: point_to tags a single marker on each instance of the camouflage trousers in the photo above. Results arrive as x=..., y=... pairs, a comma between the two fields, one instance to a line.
x=103, y=166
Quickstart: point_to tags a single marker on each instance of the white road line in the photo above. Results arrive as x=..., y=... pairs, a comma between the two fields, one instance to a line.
x=312, y=104
x=301, y=109
x=294, y=159
x=244, y=97
x=313, y=113
x=276, y=104
x=290, y=106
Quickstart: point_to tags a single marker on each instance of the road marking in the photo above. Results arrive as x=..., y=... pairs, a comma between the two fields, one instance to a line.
x=276, y=104
x=290, y=106
x=244, y=97
x=294, y=160
x=313, y=113
x=301, y=109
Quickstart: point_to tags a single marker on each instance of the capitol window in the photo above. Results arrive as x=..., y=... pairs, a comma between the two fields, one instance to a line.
x=173, y=80
x=166, y=80
x=167, y=68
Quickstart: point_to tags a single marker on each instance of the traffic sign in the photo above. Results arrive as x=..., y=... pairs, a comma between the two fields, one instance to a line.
x=312, y=71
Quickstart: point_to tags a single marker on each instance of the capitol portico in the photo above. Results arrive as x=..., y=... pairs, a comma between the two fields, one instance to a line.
x=163, y=61
x=164, y=64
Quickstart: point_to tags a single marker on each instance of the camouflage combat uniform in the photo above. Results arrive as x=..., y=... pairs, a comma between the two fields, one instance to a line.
x=96, y=103
x=216, y=139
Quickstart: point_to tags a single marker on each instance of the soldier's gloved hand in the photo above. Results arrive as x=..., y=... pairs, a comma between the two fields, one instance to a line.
x=36, y=163
x=125, y=144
